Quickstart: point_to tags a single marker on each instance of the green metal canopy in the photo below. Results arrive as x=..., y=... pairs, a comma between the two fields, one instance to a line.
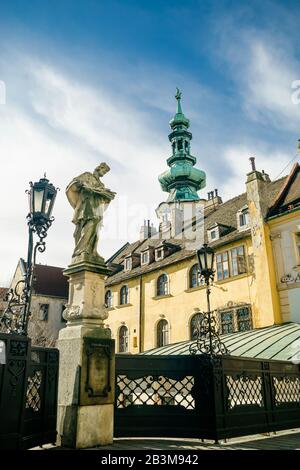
x=277, y=342
x=182, y=180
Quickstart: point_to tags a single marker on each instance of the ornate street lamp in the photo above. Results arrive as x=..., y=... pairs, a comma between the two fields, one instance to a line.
x=41, y=196
x=207, y=338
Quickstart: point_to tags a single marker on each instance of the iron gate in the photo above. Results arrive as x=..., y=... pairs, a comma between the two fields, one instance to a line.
x=192, y=396
x=28, y=393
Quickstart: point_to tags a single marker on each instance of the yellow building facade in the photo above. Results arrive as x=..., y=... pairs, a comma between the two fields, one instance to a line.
x=247, y=297
x=155, y=292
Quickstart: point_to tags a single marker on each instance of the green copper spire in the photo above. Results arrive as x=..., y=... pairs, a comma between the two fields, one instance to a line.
x=182, y=180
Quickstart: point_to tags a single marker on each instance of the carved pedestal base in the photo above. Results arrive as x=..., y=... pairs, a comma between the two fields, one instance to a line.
x=86, y=294
x=86, y=369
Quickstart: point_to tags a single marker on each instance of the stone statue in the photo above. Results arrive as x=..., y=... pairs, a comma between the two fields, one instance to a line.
x=89, y=198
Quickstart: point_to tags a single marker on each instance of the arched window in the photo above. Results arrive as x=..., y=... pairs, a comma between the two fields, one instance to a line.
x=195, y=277
x=162, y=333
x=162, y=285
x=194, y=325
x=124, y=295
x=123, y=339
x=108, y=298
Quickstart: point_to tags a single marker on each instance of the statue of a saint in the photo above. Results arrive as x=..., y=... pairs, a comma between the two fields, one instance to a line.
x=89, y=198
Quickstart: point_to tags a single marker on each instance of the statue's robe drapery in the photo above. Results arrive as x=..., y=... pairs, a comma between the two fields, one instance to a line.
x=89, y=199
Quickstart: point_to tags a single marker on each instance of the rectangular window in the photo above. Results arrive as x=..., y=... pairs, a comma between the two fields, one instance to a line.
x=235, y=319
x=213, y=234
x=238, y=261
x=145, y=257
x=227, y=324
x=243, y=319
x=159, y=254
x=127, y=264
x=222, y=266
x=243, y=219
x=43, y=312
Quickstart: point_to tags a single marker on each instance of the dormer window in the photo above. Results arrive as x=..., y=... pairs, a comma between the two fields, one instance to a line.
x=128, y=264
x=243, y=218
x=145, y=257
x=159, y=254
x=213, y=233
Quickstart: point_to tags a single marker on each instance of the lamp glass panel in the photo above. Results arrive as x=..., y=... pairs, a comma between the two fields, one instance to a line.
x=38, y=199
x=48, y=204
x=201, y=257
x=210, y=257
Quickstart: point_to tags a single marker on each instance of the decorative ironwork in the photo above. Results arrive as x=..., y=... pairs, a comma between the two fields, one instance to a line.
x=222, y=397
x=207, y=341
x=28, y=394
x=156, y=390
x=15, y=317
x=18, y=348
x=16, y=370
x=244, y=389
x=207, y=337
x=287, y=390
x=33, y=396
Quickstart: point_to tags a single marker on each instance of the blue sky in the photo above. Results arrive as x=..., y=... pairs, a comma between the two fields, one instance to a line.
x=88, y=81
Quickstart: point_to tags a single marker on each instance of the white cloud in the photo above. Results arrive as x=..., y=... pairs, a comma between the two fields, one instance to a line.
x=55, y=122
x=237, y=157
x=64, y=127
x=267, y=86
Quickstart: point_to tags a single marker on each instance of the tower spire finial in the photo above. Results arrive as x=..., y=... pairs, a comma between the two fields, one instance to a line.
x=181, y=180
x=178, y=97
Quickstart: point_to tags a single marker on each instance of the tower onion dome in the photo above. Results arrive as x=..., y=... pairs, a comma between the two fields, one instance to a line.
x=182, y=180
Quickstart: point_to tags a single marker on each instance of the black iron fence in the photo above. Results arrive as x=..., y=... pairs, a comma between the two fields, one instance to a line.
x=28, y=393
x=190, y=396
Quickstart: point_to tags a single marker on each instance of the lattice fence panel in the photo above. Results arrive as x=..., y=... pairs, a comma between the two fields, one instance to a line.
x=155, y=390
x=287, y=390
x=244, y=390
x=33, y=395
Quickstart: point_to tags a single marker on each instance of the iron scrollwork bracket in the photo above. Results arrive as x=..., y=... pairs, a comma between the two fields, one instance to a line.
x=15, y=317
x=208, y=341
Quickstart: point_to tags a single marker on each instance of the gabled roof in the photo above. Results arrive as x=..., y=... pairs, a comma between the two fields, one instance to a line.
x=48, y=280
x=289, y=194
x=224, y=214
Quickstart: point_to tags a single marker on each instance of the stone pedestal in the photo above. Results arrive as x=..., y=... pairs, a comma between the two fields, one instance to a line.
x=86, y=368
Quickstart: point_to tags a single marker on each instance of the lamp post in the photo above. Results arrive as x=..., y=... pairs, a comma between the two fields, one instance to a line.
x=207, y=340
x=41, y=197
x=206, y=262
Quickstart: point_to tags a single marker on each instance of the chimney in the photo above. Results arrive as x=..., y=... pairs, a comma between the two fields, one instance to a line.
x=257, y=186
x=147, y=230
x=213, y=201
x=252, y=160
